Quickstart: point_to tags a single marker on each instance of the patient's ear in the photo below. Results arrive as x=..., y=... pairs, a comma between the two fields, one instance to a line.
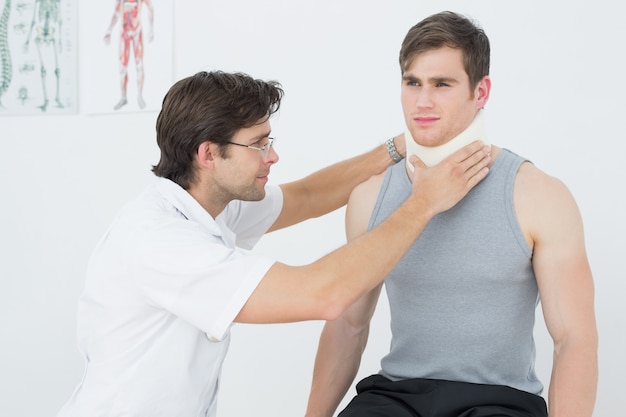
x=482, y=92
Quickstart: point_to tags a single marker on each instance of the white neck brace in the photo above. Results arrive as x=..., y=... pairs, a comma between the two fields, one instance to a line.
x=432, y=155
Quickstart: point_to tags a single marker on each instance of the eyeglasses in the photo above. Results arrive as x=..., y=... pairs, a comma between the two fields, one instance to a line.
x=265, y=149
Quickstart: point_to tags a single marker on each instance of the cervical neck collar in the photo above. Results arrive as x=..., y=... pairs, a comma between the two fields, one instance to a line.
x=432, y=155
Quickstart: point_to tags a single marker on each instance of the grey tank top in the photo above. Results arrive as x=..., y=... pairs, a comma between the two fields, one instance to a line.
x=463, y=299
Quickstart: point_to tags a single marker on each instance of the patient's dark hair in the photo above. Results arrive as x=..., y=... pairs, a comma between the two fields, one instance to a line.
x=452, y=30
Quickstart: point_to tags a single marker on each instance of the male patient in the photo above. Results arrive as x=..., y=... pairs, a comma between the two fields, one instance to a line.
x=463, y=298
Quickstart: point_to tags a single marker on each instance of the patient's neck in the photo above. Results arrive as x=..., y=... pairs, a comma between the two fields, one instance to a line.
x=432, y=155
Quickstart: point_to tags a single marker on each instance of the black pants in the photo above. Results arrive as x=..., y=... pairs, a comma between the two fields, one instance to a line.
x=378, y=396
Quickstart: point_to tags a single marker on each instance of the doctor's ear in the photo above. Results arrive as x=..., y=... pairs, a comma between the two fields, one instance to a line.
x=206, y=153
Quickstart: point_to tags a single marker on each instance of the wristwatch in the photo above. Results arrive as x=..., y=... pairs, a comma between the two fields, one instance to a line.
x=393, y=153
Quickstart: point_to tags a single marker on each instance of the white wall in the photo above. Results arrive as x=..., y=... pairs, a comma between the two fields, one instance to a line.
x=557, y=98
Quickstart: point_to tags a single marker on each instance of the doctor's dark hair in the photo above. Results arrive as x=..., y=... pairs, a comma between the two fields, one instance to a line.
x=208, y=106
x=452, y=30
